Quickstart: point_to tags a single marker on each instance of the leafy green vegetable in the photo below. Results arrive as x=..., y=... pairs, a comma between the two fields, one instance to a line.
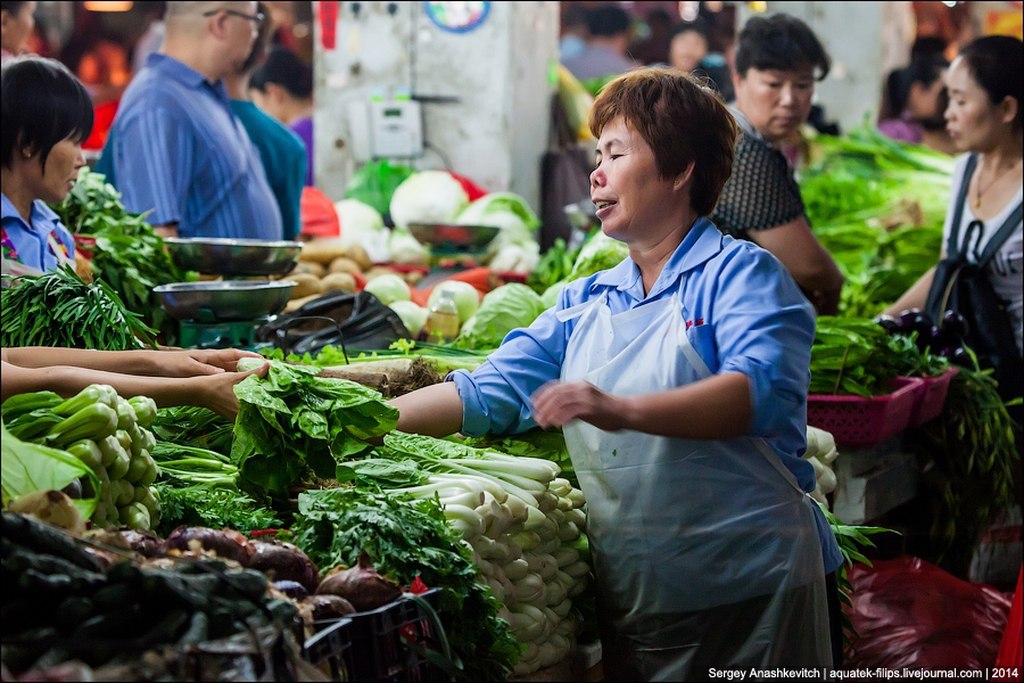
x=292, y=420
x=193, y=426
x=535, y=443
x=59, y=309
x=406, y=538
x=28, y=467
x=128, y=255
x=502, y=310
x=212, y=506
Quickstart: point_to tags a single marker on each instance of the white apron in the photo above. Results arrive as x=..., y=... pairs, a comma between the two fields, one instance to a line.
x=688, y=536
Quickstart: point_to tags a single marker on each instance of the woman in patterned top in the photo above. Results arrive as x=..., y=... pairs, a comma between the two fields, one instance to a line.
x=778, y=60
x=47, y=114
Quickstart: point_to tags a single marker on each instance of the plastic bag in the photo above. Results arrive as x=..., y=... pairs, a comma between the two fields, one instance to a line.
x=375, y=182
x=319, y=217
x=909, y=613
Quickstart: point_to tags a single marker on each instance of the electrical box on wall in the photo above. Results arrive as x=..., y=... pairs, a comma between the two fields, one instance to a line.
x=384, y=129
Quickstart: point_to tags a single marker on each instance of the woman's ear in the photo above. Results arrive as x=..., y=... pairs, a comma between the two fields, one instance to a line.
x=1008, y=109
x=683, y=178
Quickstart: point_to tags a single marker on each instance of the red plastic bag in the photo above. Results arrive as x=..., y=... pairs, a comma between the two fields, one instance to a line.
x=1010, y=660
x=319, y=217
x=473, y=190
x=909, y=613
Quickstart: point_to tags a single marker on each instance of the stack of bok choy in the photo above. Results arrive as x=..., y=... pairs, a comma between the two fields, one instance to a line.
x=523, y=523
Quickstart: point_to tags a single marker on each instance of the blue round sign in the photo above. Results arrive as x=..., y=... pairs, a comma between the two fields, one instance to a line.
x=457, y=17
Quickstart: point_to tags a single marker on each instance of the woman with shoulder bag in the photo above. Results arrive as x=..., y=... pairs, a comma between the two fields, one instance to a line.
x=979, y=275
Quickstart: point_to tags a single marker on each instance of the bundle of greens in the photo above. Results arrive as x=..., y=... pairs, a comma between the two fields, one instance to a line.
x=213, y=507
x=127, y=254
x=193, y=426
x=292, y=420
x=59, y=309
x=406, y=539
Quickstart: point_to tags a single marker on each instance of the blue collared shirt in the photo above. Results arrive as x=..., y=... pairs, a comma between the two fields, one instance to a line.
x=32, y=241
x=180, y=152
x=754, y=319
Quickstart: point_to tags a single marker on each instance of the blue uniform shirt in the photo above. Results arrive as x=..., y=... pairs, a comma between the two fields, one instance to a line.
x=31, y=242
x=179, y=151
x=754, y=320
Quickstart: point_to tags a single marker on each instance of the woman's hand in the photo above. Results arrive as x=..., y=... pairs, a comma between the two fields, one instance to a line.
x=217, y=391
x=557, y=403
x=193, y=362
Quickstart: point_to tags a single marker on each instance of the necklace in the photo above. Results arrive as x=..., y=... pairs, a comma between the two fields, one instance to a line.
x=979, y=191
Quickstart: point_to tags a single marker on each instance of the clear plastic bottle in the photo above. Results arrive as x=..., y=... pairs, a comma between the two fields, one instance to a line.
x=443, y=320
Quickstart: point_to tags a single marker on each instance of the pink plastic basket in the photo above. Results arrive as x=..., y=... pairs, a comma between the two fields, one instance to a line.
x=930, y=397
x=862, y=422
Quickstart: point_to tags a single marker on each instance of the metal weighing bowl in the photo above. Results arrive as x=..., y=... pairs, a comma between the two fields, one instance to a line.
x=221, y=256
x=445, y=237
x=223, y=301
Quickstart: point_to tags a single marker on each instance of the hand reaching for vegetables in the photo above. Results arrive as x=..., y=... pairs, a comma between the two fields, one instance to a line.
x=557, y=403
x=211, y=361
x=217, y=391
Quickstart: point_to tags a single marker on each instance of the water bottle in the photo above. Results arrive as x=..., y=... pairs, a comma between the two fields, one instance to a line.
x=443, y=320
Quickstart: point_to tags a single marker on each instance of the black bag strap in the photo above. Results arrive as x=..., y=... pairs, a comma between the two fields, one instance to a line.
x=1001, y=236
x=956, y=250
x=953, y=250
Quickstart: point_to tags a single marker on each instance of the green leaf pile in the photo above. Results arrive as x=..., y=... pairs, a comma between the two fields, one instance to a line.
x=292, y=420
x=407, y=538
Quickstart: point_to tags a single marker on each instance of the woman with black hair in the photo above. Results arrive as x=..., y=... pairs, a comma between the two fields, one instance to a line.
x=914, y=101
x=47, y=114
x=283, y=87
x=778, y=62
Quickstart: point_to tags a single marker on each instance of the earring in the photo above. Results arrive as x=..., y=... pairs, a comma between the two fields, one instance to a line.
x=27, y=155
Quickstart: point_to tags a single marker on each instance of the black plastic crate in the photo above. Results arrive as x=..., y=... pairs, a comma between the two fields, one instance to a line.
x=390, y=643
x=331, y=649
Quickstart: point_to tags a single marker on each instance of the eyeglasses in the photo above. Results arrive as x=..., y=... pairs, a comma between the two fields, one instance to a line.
x=257, y=18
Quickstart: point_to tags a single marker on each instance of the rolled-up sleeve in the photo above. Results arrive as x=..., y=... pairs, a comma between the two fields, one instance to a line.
x=764, y=329
x=496, y=396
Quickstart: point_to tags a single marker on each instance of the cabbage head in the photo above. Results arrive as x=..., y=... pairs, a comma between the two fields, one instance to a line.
x=505, y=210
x=598, y=253
x=428, y=197
x=502, y=310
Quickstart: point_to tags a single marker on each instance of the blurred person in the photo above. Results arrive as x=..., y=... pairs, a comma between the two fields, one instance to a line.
x=679, y=379
x=152, y=39
x=914, y=100
x=177, y=149
x=573, y=36
x=654, y=48
x=688, y=45
x=46, y=114
x=282, y=151
x=985, y=119
x=778, y=60
x=17, y=19
x=610, y=30
x=282, y=86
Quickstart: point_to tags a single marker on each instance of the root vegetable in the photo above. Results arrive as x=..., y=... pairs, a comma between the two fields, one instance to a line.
x=227, y=543
x=360, y=585
x=284, y=561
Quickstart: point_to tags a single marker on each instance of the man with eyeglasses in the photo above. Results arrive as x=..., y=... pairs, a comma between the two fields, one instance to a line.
x=176, y=148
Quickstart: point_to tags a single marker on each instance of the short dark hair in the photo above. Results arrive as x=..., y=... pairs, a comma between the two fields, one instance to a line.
x=994, y=62
x=11, y=7
x=42, y=103
x=681, y=119
x=925, y=70
x=284, y=68
x=608, y=20
x=781, y=42
x=698, y=25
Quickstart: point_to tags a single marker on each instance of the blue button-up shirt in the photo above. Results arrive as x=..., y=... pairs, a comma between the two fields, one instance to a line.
x=179, y=151
x=31, y=242
x=754, y=320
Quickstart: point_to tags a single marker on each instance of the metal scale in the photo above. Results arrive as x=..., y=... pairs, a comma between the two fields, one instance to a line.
x=226, y=313
x=453, y=248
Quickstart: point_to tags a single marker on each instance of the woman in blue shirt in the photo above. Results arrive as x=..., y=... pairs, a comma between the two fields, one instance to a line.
x=679, y=379
x=47, y=114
